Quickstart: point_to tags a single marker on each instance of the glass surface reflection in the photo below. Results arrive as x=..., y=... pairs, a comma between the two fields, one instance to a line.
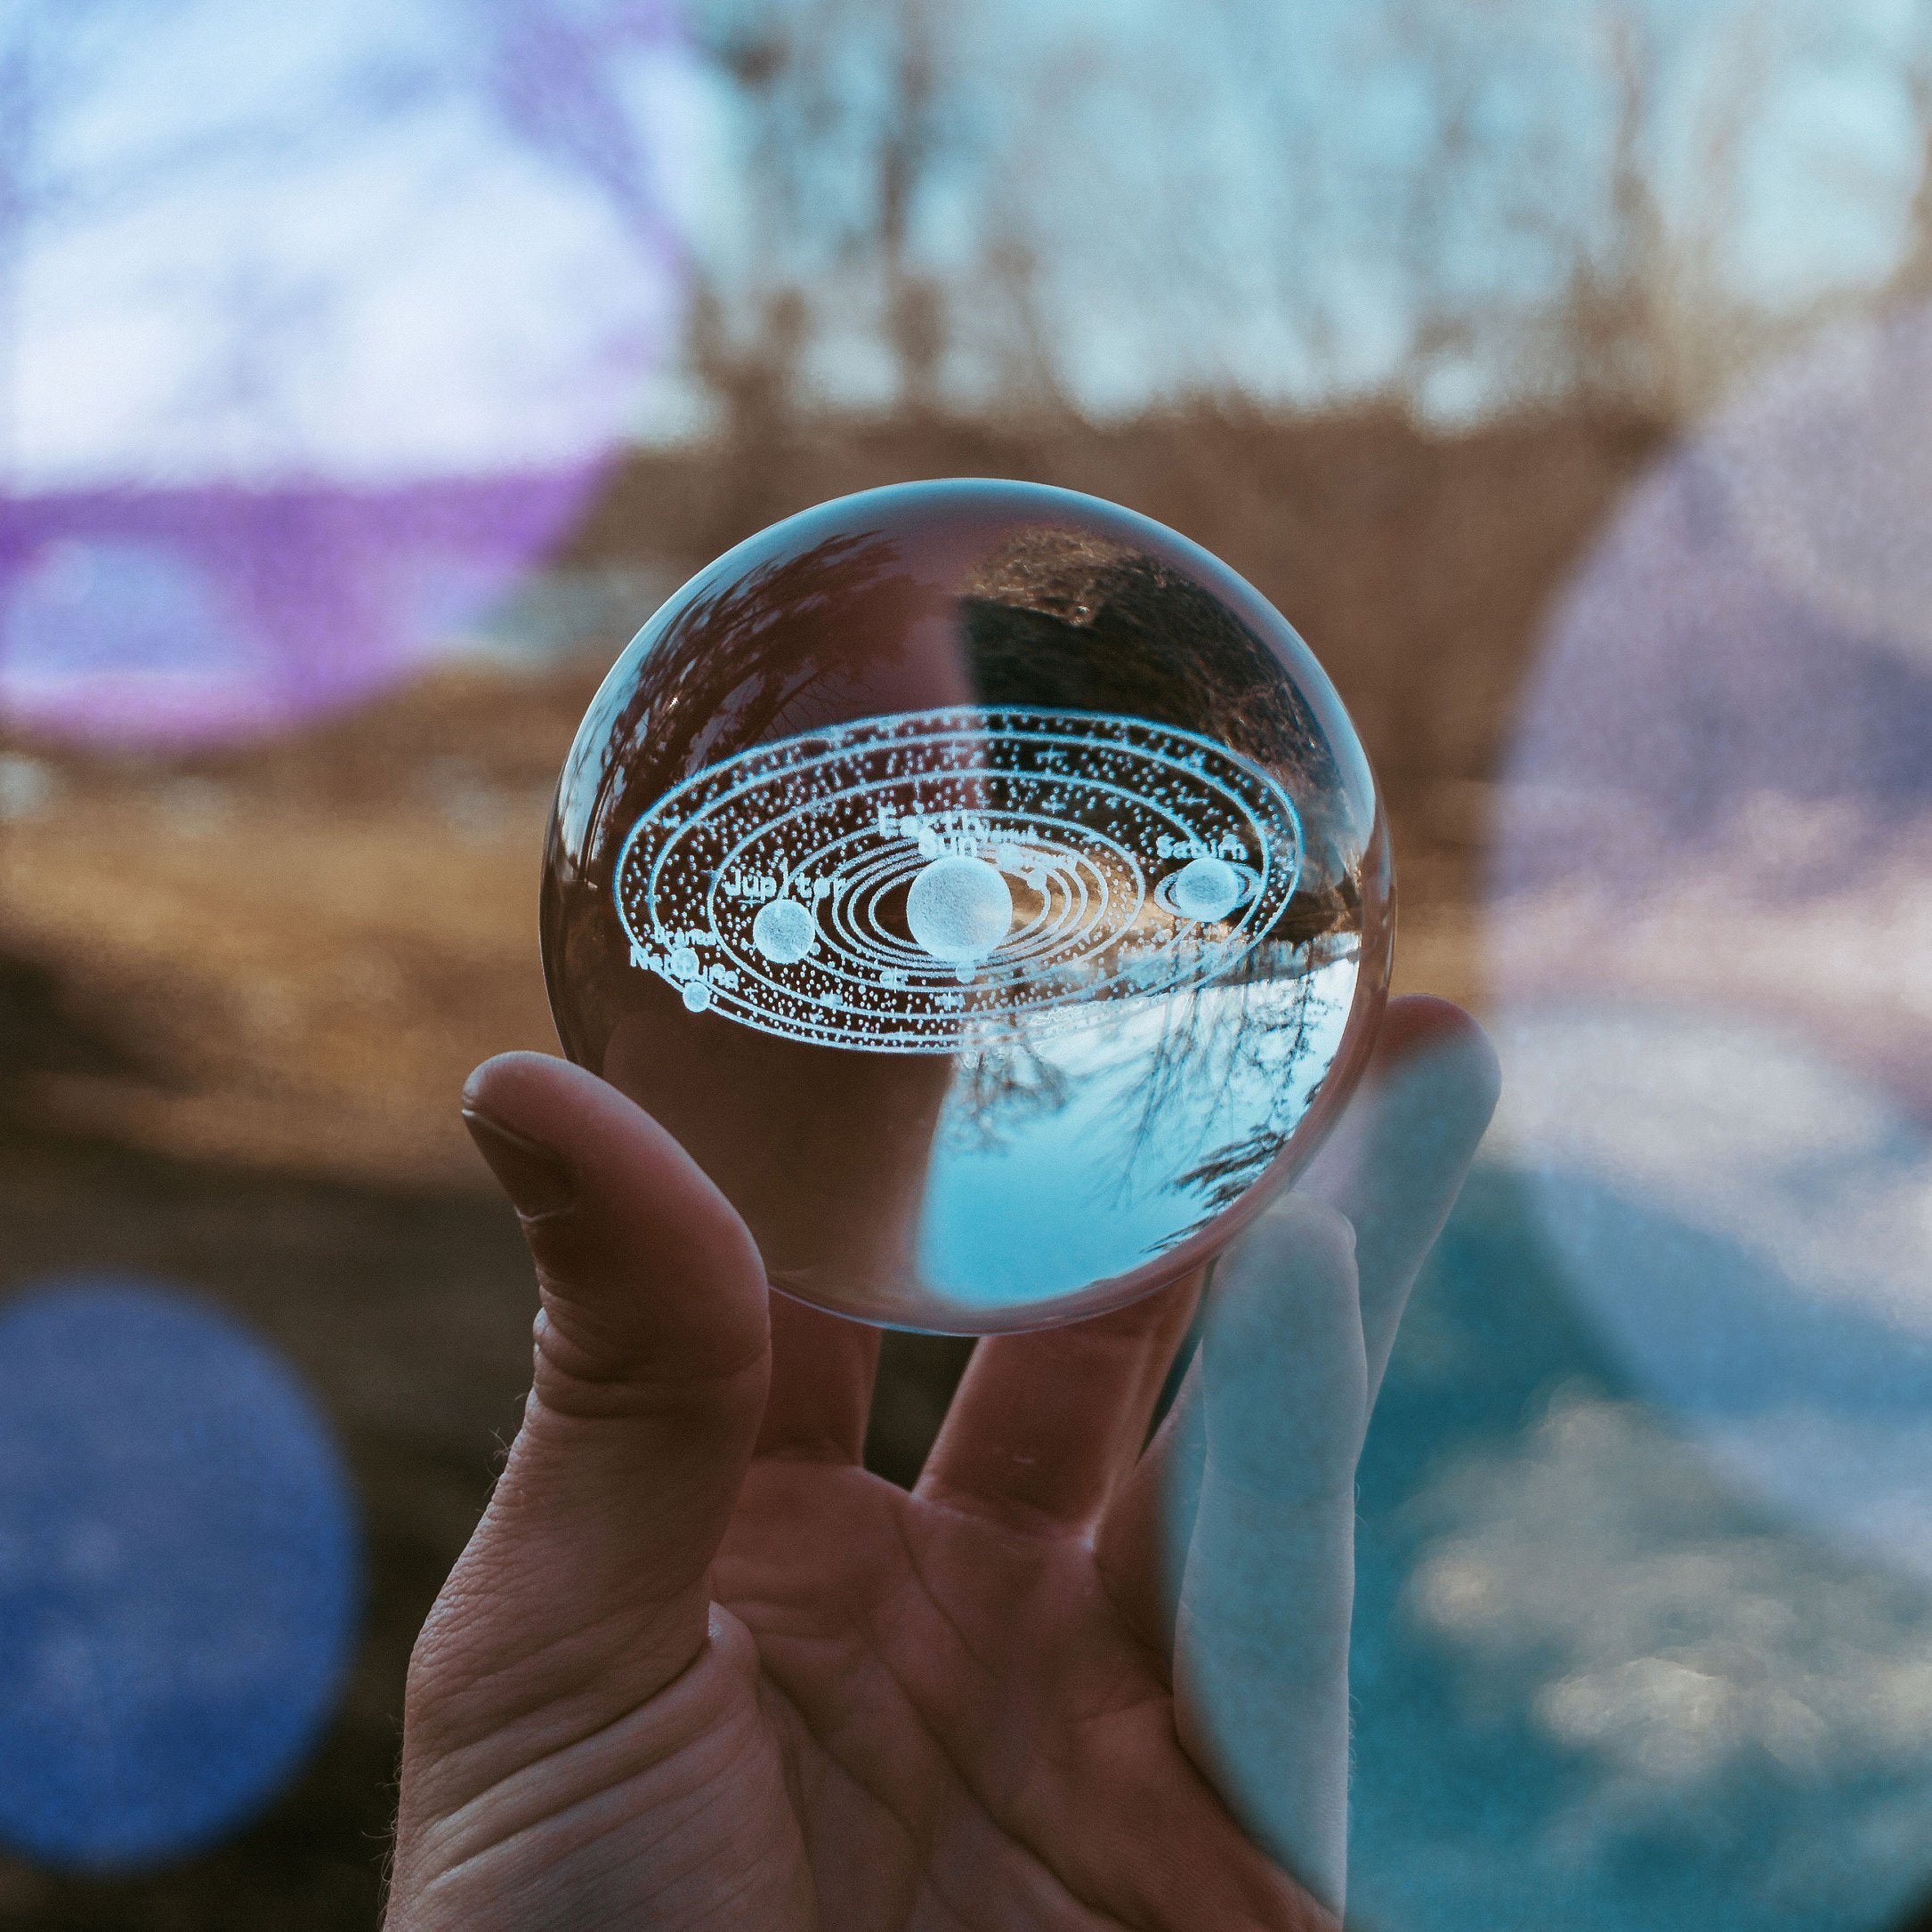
x=985, y=885
x=1646, y=1535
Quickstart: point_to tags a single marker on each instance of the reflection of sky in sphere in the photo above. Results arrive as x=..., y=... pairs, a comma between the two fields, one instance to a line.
x=347, y=315
x=178, y=1575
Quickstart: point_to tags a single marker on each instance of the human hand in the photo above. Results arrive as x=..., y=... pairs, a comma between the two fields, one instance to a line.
x=698, y=1669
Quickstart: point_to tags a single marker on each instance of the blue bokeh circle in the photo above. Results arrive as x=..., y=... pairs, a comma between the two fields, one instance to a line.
x=180, y=1574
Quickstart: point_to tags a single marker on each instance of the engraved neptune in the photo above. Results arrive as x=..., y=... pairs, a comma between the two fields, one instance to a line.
x=986, y=886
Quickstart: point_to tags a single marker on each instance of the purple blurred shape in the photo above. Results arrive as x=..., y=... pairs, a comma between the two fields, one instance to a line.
x=183, y=617
x=434, y=247
x=1707, y=951
x=1732, y=636
x=1680, y=674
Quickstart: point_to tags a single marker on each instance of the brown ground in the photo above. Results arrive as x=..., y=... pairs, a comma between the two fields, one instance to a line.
x=238, y=994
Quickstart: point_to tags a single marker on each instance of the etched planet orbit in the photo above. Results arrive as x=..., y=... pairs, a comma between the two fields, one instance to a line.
x=895, y=882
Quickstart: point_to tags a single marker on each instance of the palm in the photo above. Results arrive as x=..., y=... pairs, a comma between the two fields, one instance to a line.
x=972, y=1732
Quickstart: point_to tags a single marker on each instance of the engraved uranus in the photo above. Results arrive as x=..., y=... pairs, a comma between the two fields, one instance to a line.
x=909, y=882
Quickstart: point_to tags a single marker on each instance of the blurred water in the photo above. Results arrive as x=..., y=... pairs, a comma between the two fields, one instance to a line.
x=1599, y=1683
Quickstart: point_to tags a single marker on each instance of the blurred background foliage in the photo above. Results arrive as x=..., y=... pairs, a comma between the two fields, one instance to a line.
x=1383, y=303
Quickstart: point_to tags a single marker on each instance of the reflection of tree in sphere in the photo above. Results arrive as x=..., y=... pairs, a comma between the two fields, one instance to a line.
x=985, y=885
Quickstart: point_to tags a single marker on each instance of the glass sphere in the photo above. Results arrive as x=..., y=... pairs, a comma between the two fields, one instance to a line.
x=986, y=886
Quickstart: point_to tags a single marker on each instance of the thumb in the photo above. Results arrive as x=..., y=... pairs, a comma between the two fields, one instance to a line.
x=585, y=1586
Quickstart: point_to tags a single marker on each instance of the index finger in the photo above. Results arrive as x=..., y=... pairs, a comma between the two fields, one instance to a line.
x=1396, y=1160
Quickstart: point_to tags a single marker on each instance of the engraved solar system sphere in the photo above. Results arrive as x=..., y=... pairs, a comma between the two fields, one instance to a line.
x=986, y=887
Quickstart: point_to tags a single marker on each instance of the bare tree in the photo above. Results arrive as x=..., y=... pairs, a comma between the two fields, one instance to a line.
x=557, y=71
x=845, y=111
x=1643, y=322
x=841, y=118
x=1911, y=278
x=922, y=218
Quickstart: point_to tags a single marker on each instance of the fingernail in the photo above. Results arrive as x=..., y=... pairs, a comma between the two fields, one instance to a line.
x=538, y=1182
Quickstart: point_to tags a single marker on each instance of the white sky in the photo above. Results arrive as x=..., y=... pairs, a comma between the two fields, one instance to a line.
x=405, y=289
x=418, y=289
